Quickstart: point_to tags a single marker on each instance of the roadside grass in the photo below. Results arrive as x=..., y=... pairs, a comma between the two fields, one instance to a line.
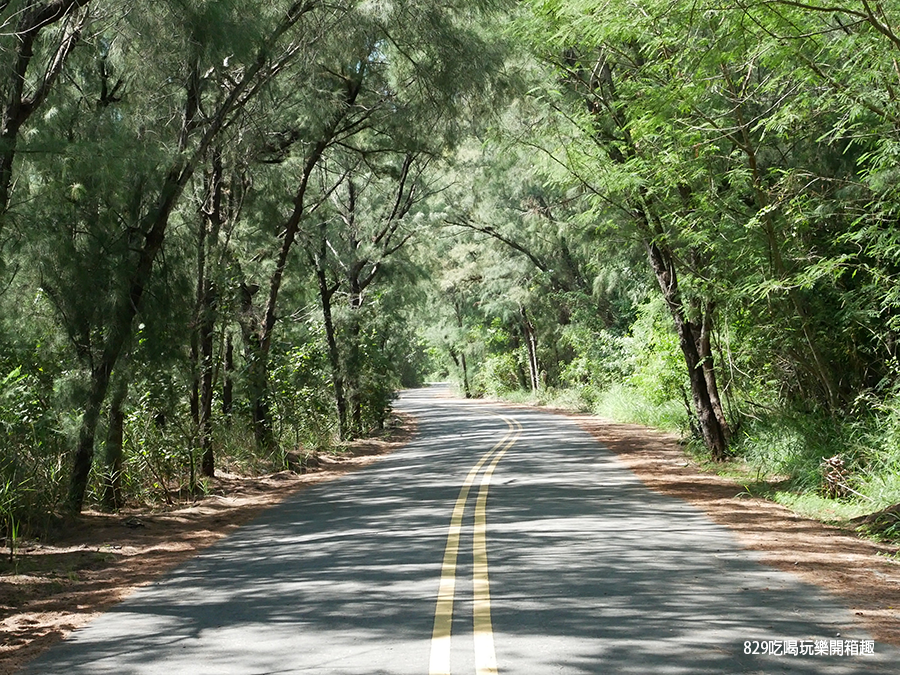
x=619, y=402
x=627, y=404
x=812, y=505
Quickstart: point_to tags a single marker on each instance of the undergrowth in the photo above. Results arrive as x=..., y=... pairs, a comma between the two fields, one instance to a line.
x=620, y=403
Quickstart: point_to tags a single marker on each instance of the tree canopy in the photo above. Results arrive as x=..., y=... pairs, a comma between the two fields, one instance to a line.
x=229, y=232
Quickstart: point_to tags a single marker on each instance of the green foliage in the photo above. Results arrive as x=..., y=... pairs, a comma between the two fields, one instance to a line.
x=303, y=408
x=793, y=444
x=466, y=188
x=31, y=457
x=498, y=374
x=600, y=358
x=657, y=372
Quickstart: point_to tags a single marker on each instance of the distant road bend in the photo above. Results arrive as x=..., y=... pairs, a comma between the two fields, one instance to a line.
x=499, y=541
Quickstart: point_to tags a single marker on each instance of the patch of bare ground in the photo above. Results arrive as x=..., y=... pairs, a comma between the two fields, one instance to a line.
x=98, y=559
x=855, y=569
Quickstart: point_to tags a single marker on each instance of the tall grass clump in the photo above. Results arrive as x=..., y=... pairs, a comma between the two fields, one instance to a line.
x=32, y=457
x=626, y=403
x=791, y=445
x=878, y=440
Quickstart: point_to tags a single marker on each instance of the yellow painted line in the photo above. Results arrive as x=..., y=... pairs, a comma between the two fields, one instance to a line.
x=485, y=658
x=439, y=663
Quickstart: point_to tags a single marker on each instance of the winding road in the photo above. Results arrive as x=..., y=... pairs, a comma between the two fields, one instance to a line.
x=498, y=541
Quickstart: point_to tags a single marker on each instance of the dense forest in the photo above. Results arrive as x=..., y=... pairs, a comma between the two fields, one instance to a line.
x=230, y=231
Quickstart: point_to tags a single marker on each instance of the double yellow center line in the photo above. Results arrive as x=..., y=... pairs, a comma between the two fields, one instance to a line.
x=485, y=659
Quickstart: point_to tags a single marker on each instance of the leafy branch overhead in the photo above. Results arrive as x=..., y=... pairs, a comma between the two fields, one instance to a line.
x=229, y=232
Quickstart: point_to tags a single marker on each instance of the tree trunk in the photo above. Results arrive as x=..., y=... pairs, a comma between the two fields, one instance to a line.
x=704, y=349
x=112, y=492
x=262, y=423
x=326, y=292
x=84, y=451
x=207, y=330
x=467, y=390
x=457, y=309
x=212, y=218
x=713, y=434
x=196, y=359
x=289, y=235
x=258, y=391
x=228, y=380
x=531, y=348
x=354, y=365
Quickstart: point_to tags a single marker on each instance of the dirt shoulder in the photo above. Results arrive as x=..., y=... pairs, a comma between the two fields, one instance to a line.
x=58, y=586
x=858, y=570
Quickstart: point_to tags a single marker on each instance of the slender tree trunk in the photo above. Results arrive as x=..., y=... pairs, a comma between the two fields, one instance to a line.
x=354, y=365
x=289, y=235
x=228, y=380
x=467, y=390
x=258, y=390
x=112, y=492
x=212, y=217
x=713, y=434
x=260, y=376
x=84, y=450
x=462, y=353
x=256, y=373
x=704, y=349
x=207, y=334
x=531, y=348
x=326, y=292
x=196, y=359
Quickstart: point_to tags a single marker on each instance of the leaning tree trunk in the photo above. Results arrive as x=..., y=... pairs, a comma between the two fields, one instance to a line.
x=112, y=491
x=714, y=435
x=289, y=232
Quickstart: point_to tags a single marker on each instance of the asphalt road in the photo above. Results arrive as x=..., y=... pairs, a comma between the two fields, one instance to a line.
x=547, y=557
